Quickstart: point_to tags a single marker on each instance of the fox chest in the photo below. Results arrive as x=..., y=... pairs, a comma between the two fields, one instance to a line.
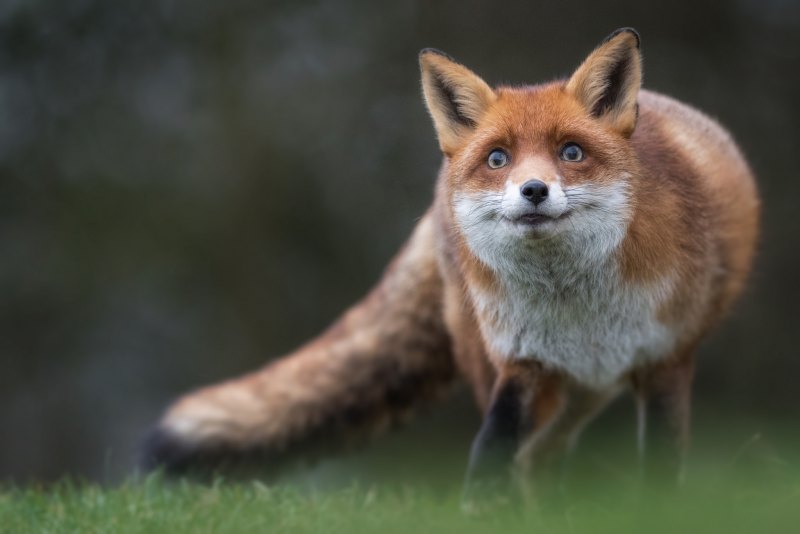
x=594, y=330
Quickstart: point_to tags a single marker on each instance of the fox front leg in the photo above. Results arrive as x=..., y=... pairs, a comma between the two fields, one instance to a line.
x=521, y=403
x=664, y=409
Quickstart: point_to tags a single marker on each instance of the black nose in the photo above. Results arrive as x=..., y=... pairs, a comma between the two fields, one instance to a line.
x=534, y=190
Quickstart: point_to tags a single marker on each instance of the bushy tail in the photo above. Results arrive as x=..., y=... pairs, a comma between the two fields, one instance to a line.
x=386, y=355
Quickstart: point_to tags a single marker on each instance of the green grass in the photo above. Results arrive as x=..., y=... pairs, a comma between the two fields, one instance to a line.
x=733, y=503
x=737, y=483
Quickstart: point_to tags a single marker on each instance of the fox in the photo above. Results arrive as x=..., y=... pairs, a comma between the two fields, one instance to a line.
x=585, y=235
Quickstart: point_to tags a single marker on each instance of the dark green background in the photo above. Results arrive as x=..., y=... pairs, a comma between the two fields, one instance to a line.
x=188, y=189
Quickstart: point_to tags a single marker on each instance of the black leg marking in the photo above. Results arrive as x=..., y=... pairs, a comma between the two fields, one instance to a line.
x=494, y=448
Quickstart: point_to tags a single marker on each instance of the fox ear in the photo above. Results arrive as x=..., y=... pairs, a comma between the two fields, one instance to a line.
x=456, y=97
x=607, y=83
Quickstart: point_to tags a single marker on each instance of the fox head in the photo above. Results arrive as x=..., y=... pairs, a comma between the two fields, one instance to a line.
x=549, y=163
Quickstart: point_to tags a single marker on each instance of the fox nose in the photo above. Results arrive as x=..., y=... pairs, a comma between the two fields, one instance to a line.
x=534, y=190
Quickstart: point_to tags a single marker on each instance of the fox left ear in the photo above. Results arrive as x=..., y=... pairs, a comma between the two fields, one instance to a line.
x=607, y=83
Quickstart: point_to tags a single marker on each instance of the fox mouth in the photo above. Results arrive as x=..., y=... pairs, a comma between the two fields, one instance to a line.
x=535, y=219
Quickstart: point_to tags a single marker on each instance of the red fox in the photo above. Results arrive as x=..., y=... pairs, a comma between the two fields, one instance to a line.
x=585, y=235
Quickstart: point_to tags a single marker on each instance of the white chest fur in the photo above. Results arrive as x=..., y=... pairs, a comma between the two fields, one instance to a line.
x=581, y=319
x=560, y=298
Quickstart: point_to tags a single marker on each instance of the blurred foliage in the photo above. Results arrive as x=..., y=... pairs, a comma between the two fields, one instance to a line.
x=188, y=189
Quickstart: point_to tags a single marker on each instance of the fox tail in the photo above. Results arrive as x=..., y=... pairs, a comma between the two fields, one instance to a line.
x=384, y=357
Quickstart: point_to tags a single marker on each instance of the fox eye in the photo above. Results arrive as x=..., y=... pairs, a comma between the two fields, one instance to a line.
x=571, y=152
x=497, y=158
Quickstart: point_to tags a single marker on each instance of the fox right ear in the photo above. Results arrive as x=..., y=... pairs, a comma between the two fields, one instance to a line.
x=456, y=97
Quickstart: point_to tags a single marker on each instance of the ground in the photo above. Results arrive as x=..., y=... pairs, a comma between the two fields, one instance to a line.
x=736, y=483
